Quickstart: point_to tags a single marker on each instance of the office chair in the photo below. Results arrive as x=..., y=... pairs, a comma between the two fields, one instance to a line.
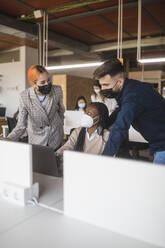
x=2, y=112
x=131, y=150
x=12, y=122
x=136, y=147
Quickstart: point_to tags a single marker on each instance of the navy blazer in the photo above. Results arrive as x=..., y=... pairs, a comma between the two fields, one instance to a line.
x=142, y=107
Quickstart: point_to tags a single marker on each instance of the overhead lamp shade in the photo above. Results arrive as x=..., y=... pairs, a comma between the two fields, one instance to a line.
x=151, y=60
x=61, y=67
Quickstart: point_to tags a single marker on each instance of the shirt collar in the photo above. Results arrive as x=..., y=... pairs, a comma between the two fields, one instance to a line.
x=94, y=134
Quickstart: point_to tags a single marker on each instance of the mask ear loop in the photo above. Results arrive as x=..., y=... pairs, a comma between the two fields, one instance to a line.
x=36, y=86
x=115, y=84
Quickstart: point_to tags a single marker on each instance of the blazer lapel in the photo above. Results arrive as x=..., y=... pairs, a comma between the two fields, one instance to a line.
x=37, y=103
x=49, y=102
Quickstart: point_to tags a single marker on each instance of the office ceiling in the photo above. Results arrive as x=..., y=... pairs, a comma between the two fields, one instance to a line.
x=86, y=28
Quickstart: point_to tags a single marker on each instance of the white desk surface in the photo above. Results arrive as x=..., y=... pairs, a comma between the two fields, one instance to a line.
x=36, y=227
x=133, y=134
x=136, y=136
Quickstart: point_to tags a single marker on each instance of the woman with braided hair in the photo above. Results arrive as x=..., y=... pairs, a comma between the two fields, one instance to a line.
x=92, y=136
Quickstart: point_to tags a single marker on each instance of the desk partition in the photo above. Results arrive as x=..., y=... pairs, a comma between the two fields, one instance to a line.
x=124, y=196
x=16, y=172
x=16, y=163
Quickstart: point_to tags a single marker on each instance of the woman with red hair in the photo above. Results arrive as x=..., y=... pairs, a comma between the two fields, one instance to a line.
x=41, y=110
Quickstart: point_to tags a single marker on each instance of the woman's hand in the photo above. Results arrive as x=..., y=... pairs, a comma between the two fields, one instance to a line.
x=4, y=138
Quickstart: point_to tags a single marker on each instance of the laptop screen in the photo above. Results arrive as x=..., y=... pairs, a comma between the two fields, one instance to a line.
x=72, y=120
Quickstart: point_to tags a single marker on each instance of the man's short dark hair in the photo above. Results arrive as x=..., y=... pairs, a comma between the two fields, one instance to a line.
x=112, y=67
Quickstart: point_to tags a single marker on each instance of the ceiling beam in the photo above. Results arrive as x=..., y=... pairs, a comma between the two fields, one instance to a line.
x=55, y=39
x=146, y=42
x=101, y=11
x=107, y=20
x=112, y=46
x=25, y=4
x=19, y=25
x=85, y=31
x=147, y=13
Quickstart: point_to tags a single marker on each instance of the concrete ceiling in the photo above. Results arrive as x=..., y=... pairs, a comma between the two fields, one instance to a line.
x=85, y=30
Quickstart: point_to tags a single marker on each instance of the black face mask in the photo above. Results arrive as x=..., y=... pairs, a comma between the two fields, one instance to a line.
x=109, y=93
x=45, y=90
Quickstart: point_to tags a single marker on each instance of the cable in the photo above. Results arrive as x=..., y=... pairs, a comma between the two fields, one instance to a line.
x=139, y=30
x=120, y=29
x=43, y=38
x=118, y=36
x=35, y=202
x=46, y=40
x=39, y=45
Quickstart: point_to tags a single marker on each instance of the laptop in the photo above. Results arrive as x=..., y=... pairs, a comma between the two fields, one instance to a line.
x=72, y=120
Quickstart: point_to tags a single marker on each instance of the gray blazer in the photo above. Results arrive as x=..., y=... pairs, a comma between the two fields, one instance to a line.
x=45, y=125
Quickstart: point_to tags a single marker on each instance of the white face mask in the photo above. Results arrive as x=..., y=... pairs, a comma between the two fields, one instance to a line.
x=86, y=121
x=97, y=91
x=81, y=105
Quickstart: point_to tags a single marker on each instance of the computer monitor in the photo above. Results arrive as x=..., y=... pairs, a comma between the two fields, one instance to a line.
x=2, y=111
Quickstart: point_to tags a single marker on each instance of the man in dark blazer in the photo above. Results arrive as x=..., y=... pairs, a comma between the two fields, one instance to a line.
x=139, y=105
x=41, y=111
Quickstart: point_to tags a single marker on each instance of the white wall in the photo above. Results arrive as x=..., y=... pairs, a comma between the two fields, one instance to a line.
x=73, y=59
x=14, y=79
x=79, y=72
x=12, y=83
x=31, y=58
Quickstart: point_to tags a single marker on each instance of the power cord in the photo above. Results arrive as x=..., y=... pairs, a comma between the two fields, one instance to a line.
x=34, y=201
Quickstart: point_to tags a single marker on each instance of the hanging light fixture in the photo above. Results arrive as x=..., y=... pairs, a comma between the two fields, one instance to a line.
x=139, y=59
x=61, y=67
x=151, y=60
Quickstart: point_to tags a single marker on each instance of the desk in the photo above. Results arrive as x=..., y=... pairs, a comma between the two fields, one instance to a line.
x=135, y=136
x=36, y=227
